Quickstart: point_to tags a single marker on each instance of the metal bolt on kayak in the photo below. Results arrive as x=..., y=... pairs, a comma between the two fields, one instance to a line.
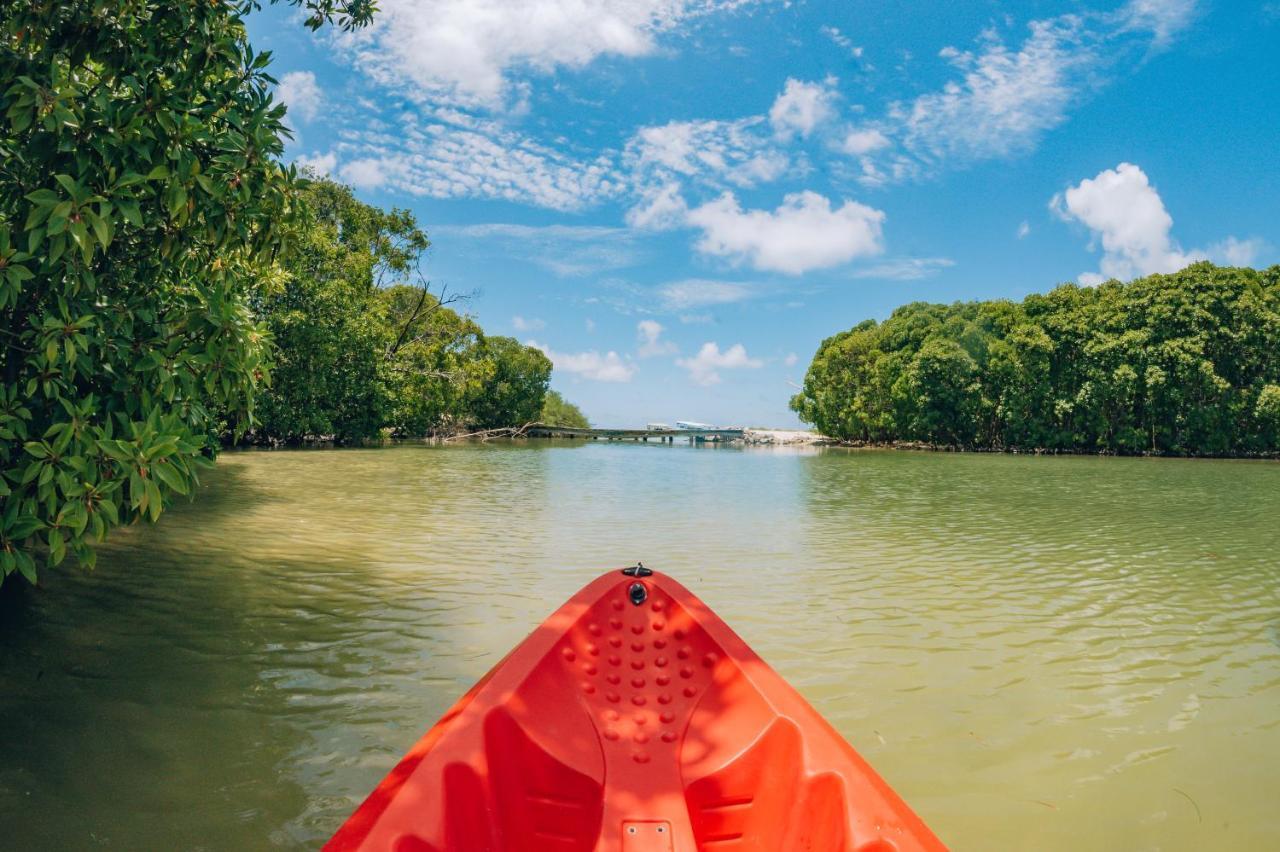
x=633, y=720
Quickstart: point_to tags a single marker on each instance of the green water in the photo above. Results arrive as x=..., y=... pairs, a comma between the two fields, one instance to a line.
x=1038, y=653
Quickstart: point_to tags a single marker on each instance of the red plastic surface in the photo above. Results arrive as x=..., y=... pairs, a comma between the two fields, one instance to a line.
x=623, y=728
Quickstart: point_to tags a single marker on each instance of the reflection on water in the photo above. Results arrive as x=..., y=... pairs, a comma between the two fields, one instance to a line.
x=1038, y=653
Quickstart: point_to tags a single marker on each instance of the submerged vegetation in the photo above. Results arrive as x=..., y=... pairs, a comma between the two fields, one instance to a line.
x=1185, y=364
x=156, y=258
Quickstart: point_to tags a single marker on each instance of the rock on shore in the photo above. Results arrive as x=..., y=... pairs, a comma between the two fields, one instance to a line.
x=783, y=437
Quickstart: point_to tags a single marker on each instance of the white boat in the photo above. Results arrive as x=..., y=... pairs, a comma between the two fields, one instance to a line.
x=694, y=426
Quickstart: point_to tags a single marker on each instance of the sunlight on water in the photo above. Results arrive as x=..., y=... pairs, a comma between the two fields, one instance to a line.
x=1038, y=653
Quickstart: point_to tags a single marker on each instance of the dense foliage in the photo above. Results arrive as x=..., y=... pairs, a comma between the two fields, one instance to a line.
x=151, y=243
x=1187, y=363
x=361, y=352
x=558, y=411
x=140, y=194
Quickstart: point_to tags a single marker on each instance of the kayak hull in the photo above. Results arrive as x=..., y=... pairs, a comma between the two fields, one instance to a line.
x=633, y=720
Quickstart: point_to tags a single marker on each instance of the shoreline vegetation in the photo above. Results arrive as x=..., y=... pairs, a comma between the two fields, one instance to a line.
x=1184, y=364
x=169, y=285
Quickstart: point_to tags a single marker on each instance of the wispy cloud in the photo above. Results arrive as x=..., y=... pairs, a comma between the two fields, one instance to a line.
x=904, y=268
x=692, y=293
x=520, y=323
x=445, y=154
x=569, y=251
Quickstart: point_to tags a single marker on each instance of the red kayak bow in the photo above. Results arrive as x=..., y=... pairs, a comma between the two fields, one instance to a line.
x=633, y=720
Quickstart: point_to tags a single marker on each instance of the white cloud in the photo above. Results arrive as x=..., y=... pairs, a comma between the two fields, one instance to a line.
x=1126, y=214
x=519, y=323
x=719, y=153
x=446, y=154
x=841, y=40
x=802, y=107
x=861, y=142
x=569, y=251
x=651, y=343
x=367, y=172
x=1006, y=99
x=300, y=92
x=703, y=368
x=608, y=367
x=1024, y=229
x=322, y=164
x=1236, y=252
x=1162, y=18
x=660, y=209
x=904, y=268
x=701, y=293
x=791, y=360
x=591, y=325
x=804, y=233
x=468, y=51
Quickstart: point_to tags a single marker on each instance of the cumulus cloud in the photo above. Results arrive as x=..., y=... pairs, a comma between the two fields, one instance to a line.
x=300, y=92
x=700, y=293
x=591, y=365
x=802, y=107
x=1127, y=217
x=519, y=323
x=861, y=142
x=649, y=334
x=468, y=52
x=368, y=172
x=804, y=233
x=322, y=164
x=705, y=366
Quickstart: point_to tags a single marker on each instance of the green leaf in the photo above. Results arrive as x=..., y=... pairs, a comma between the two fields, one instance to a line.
x=69, y=184
x=26, y=566
x=100, y=229
x=43, y=197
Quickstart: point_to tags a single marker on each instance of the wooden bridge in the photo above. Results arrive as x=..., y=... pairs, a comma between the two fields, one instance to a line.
x=539, y=430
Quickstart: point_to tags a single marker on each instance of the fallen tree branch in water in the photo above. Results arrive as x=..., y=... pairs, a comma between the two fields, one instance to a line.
x=486, y=434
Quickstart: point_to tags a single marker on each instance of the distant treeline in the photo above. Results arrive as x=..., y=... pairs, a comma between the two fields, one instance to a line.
x=356, y=357
x=1185, y=364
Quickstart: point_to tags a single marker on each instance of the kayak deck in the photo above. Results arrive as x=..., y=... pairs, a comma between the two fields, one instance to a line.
x=633, y=720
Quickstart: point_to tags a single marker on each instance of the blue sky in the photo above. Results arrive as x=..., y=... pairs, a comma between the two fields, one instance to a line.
x=679, y=199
